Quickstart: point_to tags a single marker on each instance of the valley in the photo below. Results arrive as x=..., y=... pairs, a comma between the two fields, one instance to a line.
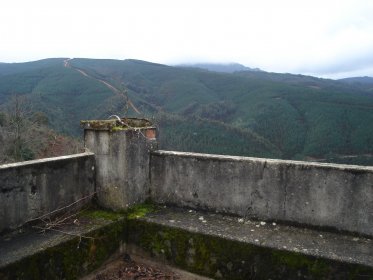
x=247, y=113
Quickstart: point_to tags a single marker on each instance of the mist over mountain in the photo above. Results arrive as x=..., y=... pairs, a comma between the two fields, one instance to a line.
x=358, y=80
x=248, y=113
x=220, y=67
x=365, y=82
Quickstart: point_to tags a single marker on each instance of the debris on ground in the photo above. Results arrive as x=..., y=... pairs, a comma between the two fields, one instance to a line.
x=127, y=269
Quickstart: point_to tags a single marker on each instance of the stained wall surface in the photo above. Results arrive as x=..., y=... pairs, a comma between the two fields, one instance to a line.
x=33, y=188
x=326, y=195
x=122, y=160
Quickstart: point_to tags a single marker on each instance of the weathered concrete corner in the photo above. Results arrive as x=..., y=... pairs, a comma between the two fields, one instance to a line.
x=33, y=188
x=70, y=253
x=122, y=160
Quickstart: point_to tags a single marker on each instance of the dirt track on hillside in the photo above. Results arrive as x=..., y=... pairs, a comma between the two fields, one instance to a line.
x=67, y=64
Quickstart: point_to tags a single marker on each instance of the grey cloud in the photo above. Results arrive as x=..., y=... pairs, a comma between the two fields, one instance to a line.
x=349, y=63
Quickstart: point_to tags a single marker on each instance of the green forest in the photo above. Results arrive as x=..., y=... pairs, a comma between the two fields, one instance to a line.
x=245, y=113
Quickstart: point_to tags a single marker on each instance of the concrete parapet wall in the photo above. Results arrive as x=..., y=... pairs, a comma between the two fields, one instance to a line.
x=34, y=188
x=122, y=160
x=327, y=195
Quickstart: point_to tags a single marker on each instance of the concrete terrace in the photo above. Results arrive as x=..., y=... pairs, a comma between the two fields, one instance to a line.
x=217, y=216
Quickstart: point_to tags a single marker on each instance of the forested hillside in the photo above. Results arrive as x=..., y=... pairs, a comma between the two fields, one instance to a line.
x=25, y=135
x=249, y=113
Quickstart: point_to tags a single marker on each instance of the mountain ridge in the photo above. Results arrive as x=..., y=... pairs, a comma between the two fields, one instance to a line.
x=230, y=67
x=252, y=113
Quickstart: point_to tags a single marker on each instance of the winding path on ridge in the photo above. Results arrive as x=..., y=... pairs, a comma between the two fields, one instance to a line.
x=67, y=64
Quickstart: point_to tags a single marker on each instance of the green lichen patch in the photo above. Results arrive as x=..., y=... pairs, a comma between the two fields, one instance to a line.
x=134, y=212
x=203, y=254
x=98, y=124
x=72, y=258
x=118, y=128
x=140, y=210
x=116, y=124
x=317, y=267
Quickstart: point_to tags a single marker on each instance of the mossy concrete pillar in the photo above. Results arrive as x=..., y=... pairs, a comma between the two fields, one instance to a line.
x=122, y=150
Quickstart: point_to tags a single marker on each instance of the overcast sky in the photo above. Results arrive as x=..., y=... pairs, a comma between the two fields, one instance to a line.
x=320, y=37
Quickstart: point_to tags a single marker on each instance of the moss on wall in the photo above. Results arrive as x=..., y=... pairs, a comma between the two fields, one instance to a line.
x=73, y=258
x=220, y=258
x=202, y=254
x=116, y=124
x=78, y=256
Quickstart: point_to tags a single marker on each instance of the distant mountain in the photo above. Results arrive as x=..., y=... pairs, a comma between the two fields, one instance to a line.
x=361, y=80
x=250, y=113
x=12, y=68
x=220, y=67
x=365, y=83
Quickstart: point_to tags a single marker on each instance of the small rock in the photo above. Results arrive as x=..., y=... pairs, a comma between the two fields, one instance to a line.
x=218, y=274
x=355, y=239
x=262, y=223
x=127, y=258
x=191, y=251
x=257, y=225
x=171, y=221
x=204, y=221
x=274, y=224
x=240, y=220
x=200, y=218
x=168, y=244
x=252, y=230
x=256, y=240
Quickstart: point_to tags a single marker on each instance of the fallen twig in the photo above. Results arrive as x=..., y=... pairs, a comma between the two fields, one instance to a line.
x=60, y=209
x=64, y=232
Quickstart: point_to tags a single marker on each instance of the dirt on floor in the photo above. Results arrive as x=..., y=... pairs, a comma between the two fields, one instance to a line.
x=126, y=268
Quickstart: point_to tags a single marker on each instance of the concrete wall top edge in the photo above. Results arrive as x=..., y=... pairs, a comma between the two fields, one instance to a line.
x=45, y=160
x=264, y=160
x=120, y=130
